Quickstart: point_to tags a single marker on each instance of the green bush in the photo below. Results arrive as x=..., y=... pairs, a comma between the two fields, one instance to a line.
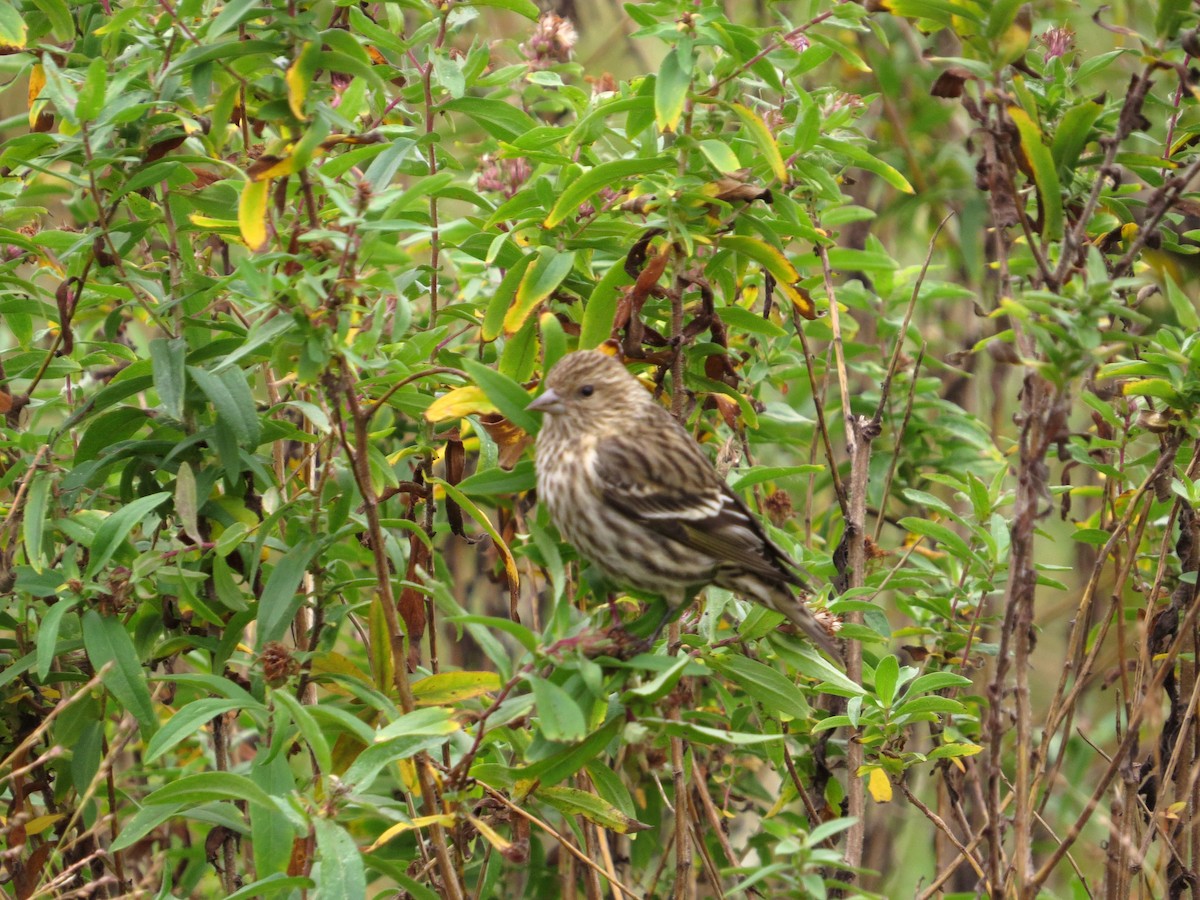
x=281, y=612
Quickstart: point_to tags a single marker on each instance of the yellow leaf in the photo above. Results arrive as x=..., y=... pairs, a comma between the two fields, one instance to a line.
x=574, y=802
x=800, y=299
x=763, y=137
x=13, y=31
x=408, y=774
x=299, y=77
x=420, y=822
x=337, y=664
x=539, y=281
x=879, y=786
x=267, y=167
x=37, y=81
x=510, y=564
x=383, y=664
x=38, y=824
x=490, y=834
x=208, y=222
x=455, y=404
x=252, y=214
x=450, y=687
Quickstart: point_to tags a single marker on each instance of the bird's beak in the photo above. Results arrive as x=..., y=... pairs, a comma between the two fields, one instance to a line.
x=549, y=402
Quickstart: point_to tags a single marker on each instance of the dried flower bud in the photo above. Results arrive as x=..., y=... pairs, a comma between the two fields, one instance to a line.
x=278, y=665
x=797, y=40
x=1057, y=41
x=778, y=507
x=505, y=175
x=552, y=41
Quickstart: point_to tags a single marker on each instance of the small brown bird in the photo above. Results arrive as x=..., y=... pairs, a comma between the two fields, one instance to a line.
x=635, y=494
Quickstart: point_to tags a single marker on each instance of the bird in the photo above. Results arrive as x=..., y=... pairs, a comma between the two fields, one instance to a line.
x=636, y=495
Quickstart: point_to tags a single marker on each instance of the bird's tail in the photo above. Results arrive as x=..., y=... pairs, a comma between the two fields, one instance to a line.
x=817, y=628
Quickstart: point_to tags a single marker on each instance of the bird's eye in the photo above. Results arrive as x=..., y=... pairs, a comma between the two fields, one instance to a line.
x=586, y=390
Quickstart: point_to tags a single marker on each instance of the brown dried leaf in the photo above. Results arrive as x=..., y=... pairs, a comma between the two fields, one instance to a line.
x=949, y=84
x=510, y=439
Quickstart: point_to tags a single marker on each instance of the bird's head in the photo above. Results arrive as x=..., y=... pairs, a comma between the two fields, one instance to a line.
x=591, y=390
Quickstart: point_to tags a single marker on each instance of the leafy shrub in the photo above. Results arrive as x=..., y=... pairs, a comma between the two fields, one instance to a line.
x=281, y=612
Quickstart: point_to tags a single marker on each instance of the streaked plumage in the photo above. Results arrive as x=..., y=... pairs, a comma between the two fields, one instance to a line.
x=635, y=494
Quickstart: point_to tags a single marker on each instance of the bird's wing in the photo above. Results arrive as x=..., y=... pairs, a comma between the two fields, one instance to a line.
x=677, y=493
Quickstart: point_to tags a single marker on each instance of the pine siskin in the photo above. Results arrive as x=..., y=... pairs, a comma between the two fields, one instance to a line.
x=635, y=494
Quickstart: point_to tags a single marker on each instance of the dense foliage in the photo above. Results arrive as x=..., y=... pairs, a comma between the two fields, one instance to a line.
x=281, y=615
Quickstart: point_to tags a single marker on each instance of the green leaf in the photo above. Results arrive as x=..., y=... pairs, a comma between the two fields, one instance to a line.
x=502, y=299
x=448, y=72
x=499, y=119
x=13, y=32
x=167, y=359
x=1072, y=133
x=452, y=687
x=560, y=766
x=497, y=481
x=508, y=396
x=107, y=642
x=434, y=721
x=702, y=734
x=764, y=254
x=559, y=717
x=367, y=766
x=231, y=398
x=922, y=705
x=186, y=722
x=1096, y=537
x=1181, y=304
x=520, y=353
x=275, y=883
x=33, y=525
x=539, y=282
x=59, y=15
x=810, y=663
x=940, y=533
x=265, y=333
x=671, y=89
x=663, y=683
x=186, y=504
x=864, y=160
x=574, y=802
x=936, y=681
x=280, y=597
x=1045, y=174
x=309, y=728
x=611, y=787
x=609, y=174
x=47, y=636
x=90, y=101
x=1154, y=387
x=748, y=322
x=233, y=14
x=114, y=529
x=953, y=749
x=723, y=159
x=519, y=632
x=526, y=8
x=764, y=139
x=192, y=790
x=600, y=311
x=142, y=823
x=887, y=673
x=759, y=474
x=341, y=875
x=775, y=692
x=1170, y=16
